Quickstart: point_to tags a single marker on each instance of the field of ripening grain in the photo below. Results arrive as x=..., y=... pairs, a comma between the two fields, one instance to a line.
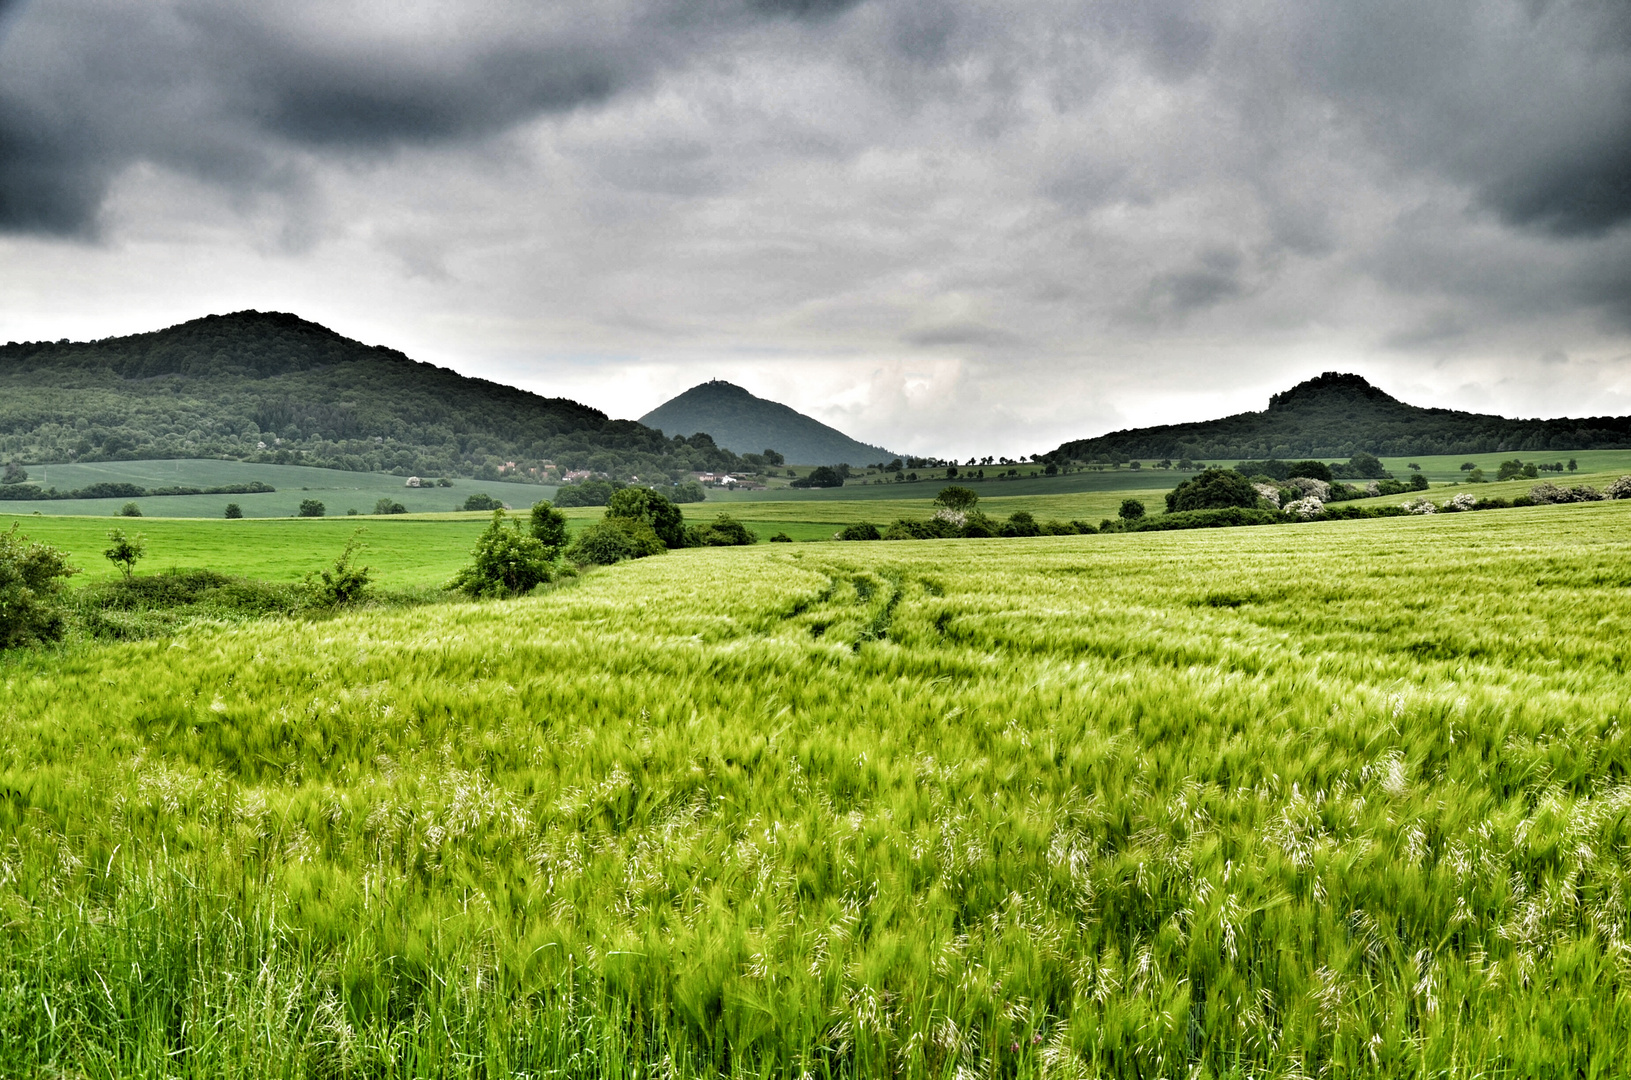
x=1344, y=799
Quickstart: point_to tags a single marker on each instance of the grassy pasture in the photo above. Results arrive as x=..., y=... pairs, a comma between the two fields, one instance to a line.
x=1340, y=799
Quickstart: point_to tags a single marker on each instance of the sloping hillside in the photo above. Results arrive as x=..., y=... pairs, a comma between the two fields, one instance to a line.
x=746, y=424
x=1337, y=415
x=267, y=386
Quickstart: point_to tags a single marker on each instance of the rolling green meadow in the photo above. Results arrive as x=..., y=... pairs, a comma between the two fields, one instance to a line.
x=1336, y=799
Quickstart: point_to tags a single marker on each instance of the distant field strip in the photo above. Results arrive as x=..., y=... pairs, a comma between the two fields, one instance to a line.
x=1349, y=799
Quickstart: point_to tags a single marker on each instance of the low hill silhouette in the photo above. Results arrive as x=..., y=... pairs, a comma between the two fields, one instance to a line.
x=270, y=386
x=746, y=424
x=1337, y=415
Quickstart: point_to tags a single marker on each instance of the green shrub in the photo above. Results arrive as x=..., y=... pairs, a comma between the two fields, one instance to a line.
x=31, y=577
x=347, y=582
x=548, y=526
x=1020, y=523
x=586, y=493
x=389, y=505
x=781, y=538
x=651, y=508
x=688, y=492
x=613, y=540
x=1060, y=528
x=861, y=530
x=234, y=511
x=505, y=561
x=1131, y=510
x=957, y=498
x=1214, y=489
x=822, y=476
x=124, y=551
x=311, y=508
x=482, y=501
x=1221, y=517
x=725, y=531
x=130, y=509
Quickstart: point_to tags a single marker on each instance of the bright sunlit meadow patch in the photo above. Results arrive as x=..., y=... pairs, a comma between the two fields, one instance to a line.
x=1335, y=799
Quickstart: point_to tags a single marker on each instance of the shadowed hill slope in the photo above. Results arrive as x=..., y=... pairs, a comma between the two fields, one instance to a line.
x=746, y=424
x=1338, y=415
x=269, y=386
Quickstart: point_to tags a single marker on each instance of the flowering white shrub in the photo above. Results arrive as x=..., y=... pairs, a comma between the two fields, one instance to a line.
x=1423, y=505
x=1552, y=493
x=1373, y=489
x=954, y=518
x=1269, y=492
x=1619, y=489
x=1319, y=489
x=1305, y=508
x=1464, y=501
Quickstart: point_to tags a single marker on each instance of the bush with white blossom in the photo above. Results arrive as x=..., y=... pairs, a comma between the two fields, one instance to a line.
x=1310, y=487
x=1551, y=493
x=1619, y=489
x=1423, y=505
x=1304, y=508
x=1269, y=492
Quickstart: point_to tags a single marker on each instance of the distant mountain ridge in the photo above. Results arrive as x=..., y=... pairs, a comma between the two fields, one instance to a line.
x=1336, y=415
x=743, y=423
x=271, y=386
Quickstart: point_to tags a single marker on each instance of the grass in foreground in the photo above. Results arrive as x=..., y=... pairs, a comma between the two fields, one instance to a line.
x=1340, y=799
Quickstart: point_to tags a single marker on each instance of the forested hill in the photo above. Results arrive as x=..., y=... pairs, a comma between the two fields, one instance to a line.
x=1336, y=416
x=747, y=424
x=267, y=386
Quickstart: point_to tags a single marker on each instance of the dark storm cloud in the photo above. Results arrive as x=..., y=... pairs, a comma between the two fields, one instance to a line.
x=223, y=92
x=1528, y=107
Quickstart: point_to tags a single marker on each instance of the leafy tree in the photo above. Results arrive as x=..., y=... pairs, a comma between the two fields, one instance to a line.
x=653, y=508
x=505, y=561
x=125, y=551
x=1213, y=489
x=15, y=474
x=31, y=576
x=1413, y=467
x=951, y=472
x=1510, y=470
x=1468, y=466
x=612, y=540
x=347, y=582
x=861, y=530
x=1530, y=472
x=1476, y=476
x=956, y=498
x=1573, y=465
x=311, y=508
x=1131, y=510
x=482, y=501
x=130, y=509
x=773, y=458
x=389, y=505
x=822, y=476
x=548, y=526
x=234, y=511
x=725, y=531
x=781, y=538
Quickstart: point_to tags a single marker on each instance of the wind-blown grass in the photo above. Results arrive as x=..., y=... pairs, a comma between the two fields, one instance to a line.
x=1341, y=798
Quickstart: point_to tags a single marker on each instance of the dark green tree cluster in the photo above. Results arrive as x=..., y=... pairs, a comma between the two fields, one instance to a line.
x=508, y=561
x=822, y=476
x=272, y=387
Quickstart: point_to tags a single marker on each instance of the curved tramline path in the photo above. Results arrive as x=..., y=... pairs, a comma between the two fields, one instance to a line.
x=1340, y=799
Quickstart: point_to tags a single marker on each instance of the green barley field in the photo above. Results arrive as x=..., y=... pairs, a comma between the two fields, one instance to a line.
x=1340, y=799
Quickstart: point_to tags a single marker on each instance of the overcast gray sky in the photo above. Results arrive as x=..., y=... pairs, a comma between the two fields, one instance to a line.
x=953, y=227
